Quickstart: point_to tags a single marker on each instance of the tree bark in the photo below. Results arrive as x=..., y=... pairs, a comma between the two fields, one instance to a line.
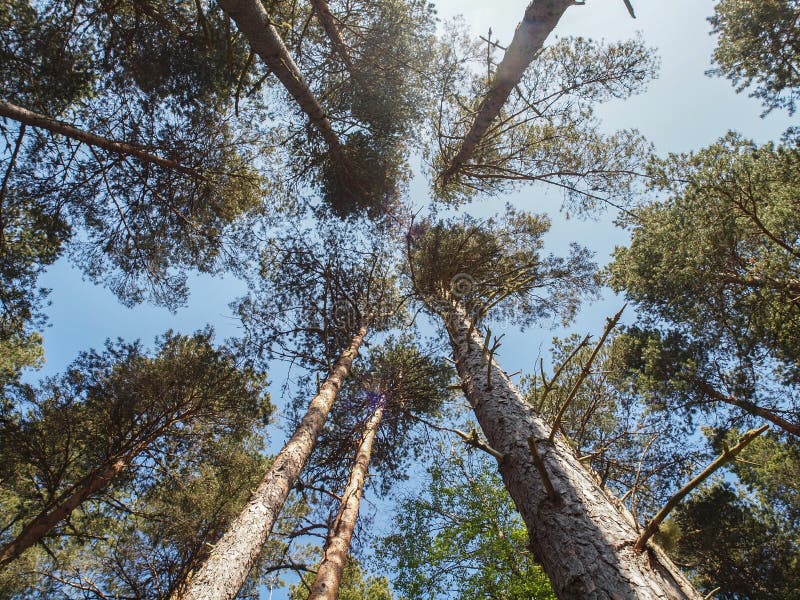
x=752, y=408
x=252, y=20
x=329, y=573
x=332, y=30
x=583, y=536
x=28, y=117
x=41, y=525
x=225, y=570
x=540, y=19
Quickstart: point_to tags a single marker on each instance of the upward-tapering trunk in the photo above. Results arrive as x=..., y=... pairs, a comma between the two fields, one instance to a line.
x=582, y=535
x=39, y=121
x=45, y=521
x=332, y=31
x=329, y=574
x=252, y=20
x=225, y=570
x=540, y=19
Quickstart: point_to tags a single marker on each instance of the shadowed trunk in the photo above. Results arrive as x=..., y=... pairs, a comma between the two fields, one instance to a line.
x=752, y=408
x=39, y=121
x=332, y=30
x=329, y=574
x=582, y=535
x=540, y=19
x=45, y=521
x=225, y=570
x=253, y=21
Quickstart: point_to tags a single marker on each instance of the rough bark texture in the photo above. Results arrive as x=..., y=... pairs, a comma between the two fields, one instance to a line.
x=332, y=30
x=225, y=570
x=252, y=20
x=540, y=19
x=28, y=117
x=329, y=574
x=41, y=525
x=581, y=534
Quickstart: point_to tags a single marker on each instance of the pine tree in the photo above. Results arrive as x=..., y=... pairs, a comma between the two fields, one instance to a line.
x=69, y=441
x=583, y=538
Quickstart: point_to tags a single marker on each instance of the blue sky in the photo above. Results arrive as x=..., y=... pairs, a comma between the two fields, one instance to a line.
x=683, y=110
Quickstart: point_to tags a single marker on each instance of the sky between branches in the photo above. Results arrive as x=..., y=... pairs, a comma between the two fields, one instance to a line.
x=681, y=111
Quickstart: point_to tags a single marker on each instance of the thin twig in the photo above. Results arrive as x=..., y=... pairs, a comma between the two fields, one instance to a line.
x=611, y=323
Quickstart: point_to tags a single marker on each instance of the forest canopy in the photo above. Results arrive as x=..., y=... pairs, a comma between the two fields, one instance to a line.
x=399, y=209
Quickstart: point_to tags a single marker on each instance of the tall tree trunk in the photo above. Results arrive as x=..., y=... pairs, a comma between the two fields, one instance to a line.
x=752, y=408
x=329, y=574
x=583, y=536
x=332, y=30
x=225, y=570
x=44, y=522
x=39, y=121
x=253, y=21
x=540, y=19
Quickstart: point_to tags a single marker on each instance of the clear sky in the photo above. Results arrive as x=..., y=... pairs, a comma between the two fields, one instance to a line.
x=683, y=110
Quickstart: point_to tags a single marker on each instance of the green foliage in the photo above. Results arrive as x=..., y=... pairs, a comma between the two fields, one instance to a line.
x=30, y=239
x=639, y=453
x=314, y=290
x=167, y=414
x=759, y=47
x=719, y=258
x=43, y=67
x=547, y=130
x=496, y=265
x=159, y=76
x=149, y=539
x=409, y=384
x=745, y=541
x=354, y=585
x=376, y=102
x=463, y=538
x=371, y=186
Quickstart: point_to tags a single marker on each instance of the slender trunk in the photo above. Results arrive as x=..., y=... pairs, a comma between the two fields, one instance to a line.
x=752, y=408
x=41, y=525
x=583, y=536
x=28, y=117
x=225, y=570
x=253, y=21
x=332, y=30
x=329, y=574
x=540, y=19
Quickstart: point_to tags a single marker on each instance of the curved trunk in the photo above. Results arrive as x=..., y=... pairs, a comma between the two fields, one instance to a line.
x=252, y=20
x=39, y=121
x=329, y=574
x=225, y=570
x=583, y=536
x=41, y=525
x=540, y=19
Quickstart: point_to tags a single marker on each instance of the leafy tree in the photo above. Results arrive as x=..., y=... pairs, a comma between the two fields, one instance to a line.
x=355, y=586
x=333, y=293
x=398, y=383
x=743, y=540
x=716, y=265
x=461, y=272
x=637, y=452
x=758, y=48
x=149, y=171
x=94, y=434
x=545, y=129
x=462, y=537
